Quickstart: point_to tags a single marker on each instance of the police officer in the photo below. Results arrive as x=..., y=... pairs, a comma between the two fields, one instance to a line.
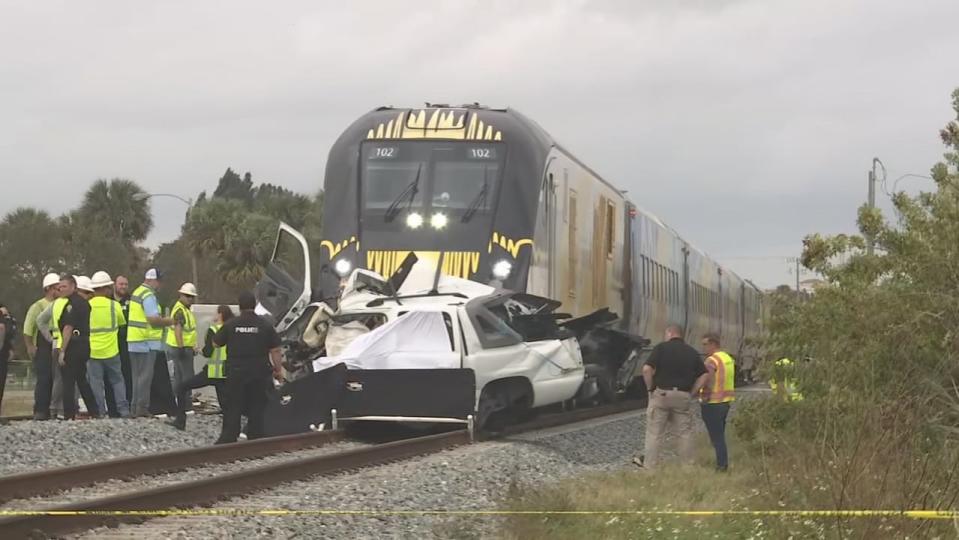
x=74, y=326
x=674, y=373
x=8, y=332
x=252, y=345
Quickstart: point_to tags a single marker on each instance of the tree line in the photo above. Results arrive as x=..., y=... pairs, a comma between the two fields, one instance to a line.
x=879, y=423
x=230, y=232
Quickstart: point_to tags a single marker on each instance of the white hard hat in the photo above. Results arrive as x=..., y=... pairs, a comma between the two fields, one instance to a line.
x=83, y=283
x=101, y=279
x=188, y=289
x=50, y=280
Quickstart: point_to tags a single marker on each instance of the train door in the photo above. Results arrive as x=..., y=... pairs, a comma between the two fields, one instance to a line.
x=552, y=222
x=542, y=272
x=602, y=247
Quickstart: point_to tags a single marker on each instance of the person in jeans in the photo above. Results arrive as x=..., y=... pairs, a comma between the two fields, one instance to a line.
x=74, y=325
x=106, y=319
x=673, y=373
x=40, y=348
x=121, y=293
x=214, y=372
x=181, y=347
x=49, y=325
x=144, y=335
x=717, y=396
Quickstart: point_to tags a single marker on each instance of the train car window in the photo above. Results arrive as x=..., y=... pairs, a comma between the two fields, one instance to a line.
x=610, y=228
x=645, y=275
x=669, y=286
x=662, y=283
x=657, y=280
x=676, y=288
x=649, y=278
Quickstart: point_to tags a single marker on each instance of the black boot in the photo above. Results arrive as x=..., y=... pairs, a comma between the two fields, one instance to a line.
x=178, y=421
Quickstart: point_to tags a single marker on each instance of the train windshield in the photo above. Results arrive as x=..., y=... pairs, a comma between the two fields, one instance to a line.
x=428, y=176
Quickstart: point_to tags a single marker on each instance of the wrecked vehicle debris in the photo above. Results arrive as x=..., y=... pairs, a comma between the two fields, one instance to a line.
x=428, y=347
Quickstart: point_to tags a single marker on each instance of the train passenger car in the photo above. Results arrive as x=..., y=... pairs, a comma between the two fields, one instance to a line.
x=507, y=205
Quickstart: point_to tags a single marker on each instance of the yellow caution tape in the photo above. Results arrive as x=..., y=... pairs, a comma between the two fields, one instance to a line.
x=911, y=514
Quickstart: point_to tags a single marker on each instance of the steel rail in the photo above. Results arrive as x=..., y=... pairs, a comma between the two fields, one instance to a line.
x=571, y=417
x=35, y=483
x=84, y=515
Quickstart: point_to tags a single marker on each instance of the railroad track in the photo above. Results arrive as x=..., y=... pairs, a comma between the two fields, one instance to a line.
x=143, y=504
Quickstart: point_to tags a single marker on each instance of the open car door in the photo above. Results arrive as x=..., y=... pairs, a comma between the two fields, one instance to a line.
x=285, y=290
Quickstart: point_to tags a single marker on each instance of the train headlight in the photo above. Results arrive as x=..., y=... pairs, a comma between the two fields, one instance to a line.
x=343, y=267
x=414, y=220
x=502, y=269
x=438, y=221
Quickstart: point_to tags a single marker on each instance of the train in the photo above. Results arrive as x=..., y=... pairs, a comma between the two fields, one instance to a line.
x=508, y=205
x=488, y=196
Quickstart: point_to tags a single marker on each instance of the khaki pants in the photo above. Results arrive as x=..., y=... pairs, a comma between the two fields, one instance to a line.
x=668, y=408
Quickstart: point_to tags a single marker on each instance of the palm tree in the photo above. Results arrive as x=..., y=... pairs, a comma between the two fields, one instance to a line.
x=121, y=206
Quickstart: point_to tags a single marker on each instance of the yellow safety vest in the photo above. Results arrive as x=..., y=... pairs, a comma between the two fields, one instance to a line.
x=216, y=367
x=189, y=327
x=723, y=387
x=106, y=318
x=138, y=328
x=58, y=305
x=789, y=384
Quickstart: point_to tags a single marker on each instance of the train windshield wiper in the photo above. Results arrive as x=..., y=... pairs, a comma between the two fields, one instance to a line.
x=478, y=201
x=409, y=192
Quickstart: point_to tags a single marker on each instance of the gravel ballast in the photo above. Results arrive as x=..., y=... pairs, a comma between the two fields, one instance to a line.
x=475, y=477
x=30, y=445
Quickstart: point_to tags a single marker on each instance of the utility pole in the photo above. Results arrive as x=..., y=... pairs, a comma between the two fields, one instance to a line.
x=798, y=291
x=871, y=201
x=189, y=208
x=796, y=261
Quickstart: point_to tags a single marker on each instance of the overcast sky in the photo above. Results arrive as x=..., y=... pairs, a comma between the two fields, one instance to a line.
x=743, y=124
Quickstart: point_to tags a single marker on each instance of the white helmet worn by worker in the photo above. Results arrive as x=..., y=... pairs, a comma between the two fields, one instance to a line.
x=84, y=284
x=50, y=280
x=188, y=289
x=101, y=279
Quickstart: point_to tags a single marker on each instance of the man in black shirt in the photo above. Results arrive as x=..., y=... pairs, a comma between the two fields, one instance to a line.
x=8, y=331
x=75, y=350
x=674, y=373
x=251, y=345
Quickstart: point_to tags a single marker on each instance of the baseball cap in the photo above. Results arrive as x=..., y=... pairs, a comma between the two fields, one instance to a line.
x=153, y=273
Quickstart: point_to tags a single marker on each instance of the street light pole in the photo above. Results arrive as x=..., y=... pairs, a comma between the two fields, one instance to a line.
x=189, y=208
